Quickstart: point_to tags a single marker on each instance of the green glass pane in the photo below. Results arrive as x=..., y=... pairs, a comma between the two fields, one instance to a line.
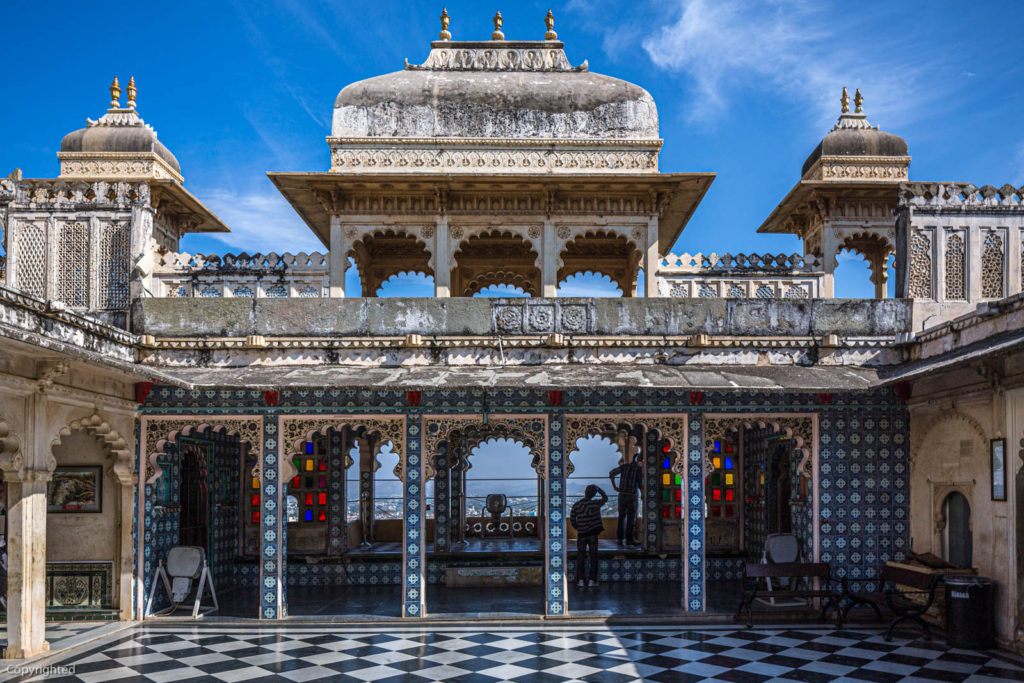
x=716, y=479
x=679, y=480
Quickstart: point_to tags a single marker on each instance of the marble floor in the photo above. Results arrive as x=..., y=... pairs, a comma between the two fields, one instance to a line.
x=210, y=652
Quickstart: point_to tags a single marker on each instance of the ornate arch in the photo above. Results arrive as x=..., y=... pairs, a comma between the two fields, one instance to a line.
x=158, y=432
x=670, y=428
x=606, y=252
x=112, y=442
x=799, y=428
x=529, y=429
x=473, y=436
x=481, y=256
x=386, y=251
x=930, y=423
x=500, y=277
x=297, y=430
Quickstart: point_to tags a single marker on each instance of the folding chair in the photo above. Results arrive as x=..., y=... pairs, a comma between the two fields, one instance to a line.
x=185, y=564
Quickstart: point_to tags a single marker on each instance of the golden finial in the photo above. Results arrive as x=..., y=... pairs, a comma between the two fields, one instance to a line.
x=115, y=94
x=549, y=21
x=445, y=34
x=858, y=101
x=497, y=35
x=131, y=92
x=845, y=101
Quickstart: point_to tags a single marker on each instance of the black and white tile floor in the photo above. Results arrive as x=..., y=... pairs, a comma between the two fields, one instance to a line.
x=221, y=652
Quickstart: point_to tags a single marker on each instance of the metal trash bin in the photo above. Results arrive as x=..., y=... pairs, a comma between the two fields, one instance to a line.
x=970, y=613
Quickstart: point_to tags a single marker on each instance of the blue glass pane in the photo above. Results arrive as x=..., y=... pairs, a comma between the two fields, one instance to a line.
x=718, y=447
x=728, y=463
x=309, y=515
x=666, y=464
x=309, y=446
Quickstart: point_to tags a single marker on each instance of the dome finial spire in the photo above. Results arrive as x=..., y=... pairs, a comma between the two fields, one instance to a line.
x=131, y=92
x=445, y=34
x=858, y=101
x=549, y=21
x=497, y=35
x=845, y=101
x=115, y=94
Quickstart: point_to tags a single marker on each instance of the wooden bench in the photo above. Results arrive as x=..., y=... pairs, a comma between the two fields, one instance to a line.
x=899, y=600
x=754, y=572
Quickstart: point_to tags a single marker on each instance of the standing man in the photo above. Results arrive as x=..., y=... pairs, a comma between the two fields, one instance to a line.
x=585, y=517
x=631, y=479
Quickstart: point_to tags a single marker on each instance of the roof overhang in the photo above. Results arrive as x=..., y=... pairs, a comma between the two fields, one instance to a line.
x=799, y=203
x=172, y=198
x=678, y=194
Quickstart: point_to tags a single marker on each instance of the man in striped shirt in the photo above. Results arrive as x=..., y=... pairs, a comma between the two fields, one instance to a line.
x=631, y=481
x=585, y=517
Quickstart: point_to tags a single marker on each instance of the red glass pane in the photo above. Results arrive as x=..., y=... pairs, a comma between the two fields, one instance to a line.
x=296, y=482
x=309, y=499
x=728, y=511
x=716, y=510
x=679, y=495
x=321, y=482
x=729, y=493
x=256, y=500
x=323, y=466
x=322, y=515
x=321, y=499
x=679, y=512
x=728, y=447
x=716, y=494
x=255, y=516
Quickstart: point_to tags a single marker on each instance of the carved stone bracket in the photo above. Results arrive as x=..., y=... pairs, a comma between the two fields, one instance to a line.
x=11, y=459
x=113, y=443
x=800, y=428
x=297, y=430
x=671, y=428
x=160, y=431
x=531, y=430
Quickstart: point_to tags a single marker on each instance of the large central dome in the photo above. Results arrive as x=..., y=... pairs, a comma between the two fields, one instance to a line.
x=494, y=107
x=496, y=90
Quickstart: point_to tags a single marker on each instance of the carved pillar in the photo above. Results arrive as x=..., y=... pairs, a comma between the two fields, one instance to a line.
x=878, y=260
x=693, y=568
x=549, y=262
x=651, y=457
x=273, y=525
x=829, y=252
x=338, y=259
x=414, y=556
x=442, y=500
x=337, y=536
x=974, y=242
x=367, y=463
x=442, y=262
x=556, y=597
x=26, y=564
x=651, y=258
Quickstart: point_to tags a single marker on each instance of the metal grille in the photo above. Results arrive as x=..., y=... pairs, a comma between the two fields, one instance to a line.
x=242, y=291
x=920, y=266
x=73, y=257
x=277, y=292
x=31, y=256
x=955, y=280
x=209, y=292
x=309, y=292
x=765, y=292
x=992, y=266
x=114, y=266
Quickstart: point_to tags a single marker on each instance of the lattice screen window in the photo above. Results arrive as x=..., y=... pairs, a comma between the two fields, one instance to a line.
x=765, y=292
x=796, y=292
x=992, y=266
x=737, y=291
x=956, y=287
x=707, y=292
x=114, y=263
x=243, y=290
x=210, y=292
x=277, y=292
x=31, y=254
x=73, y=272
x=920, y=266
x=679, y=289
x=309, y=292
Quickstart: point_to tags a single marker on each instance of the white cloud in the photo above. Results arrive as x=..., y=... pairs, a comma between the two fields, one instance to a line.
x=801, y=52
x=260, y=221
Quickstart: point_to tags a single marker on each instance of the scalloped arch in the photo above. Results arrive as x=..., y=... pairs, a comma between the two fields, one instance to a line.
x=112, y=442
x=934, y=421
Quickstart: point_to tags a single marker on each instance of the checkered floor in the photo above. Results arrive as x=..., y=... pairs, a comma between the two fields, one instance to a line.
x=483, y=652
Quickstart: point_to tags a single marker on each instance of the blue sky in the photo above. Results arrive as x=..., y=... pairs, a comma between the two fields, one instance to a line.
x=744, y=89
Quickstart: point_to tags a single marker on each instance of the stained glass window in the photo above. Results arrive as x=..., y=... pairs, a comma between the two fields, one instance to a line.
x=671, y=491
x=309, y=485
x=723, y=486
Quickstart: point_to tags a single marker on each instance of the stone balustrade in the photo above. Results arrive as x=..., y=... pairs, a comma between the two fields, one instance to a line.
x=740, y=276
x=270, y=275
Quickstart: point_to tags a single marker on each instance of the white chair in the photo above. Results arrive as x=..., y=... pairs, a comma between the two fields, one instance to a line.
x=185, y=564
x=781, y=549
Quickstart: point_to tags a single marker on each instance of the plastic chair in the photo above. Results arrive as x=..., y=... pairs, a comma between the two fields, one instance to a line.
x=185, y=564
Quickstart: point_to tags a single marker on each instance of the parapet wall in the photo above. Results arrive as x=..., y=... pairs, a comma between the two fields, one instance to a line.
x=372, y=317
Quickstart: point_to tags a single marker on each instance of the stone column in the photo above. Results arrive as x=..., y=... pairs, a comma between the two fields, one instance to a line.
x=878, y=260
x=273, y=526
x=338, y=509
x=829, y=251
x=26, y=564
x=652, y=458
x=367, y=457
x=651, y=258
x=442, y=500
x=693, y=568
x=442, y=264
x=337, y=258
x=549, y=261
x=556, y=597
x=414, y=556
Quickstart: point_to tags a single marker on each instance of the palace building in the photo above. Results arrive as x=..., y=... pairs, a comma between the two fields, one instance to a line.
x=319, y=443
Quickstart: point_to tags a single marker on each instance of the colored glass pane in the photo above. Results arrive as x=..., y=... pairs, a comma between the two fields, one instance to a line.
x=716, y=510
x=717, y=463
x=256, y=500
x=309, y=515
x=667, y=464
x=322, y=515
x=255, y=516
x=679, y=495
x=728, y=510
x=255, y=482
x=309, y=464
x=728, y=479
x=666, y=479
x=729, y=494
x=309, y=447
x=679, y=480
x=728, y=463
x=321, y=482
x=716, y=494
x=321, y=499
x=296, y=482
x=309, y=499
x=679, y=512
x=716, y=479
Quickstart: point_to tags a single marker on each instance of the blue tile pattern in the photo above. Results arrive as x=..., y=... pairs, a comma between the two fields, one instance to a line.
x=415, y=556
x=337, y=520
x=694, y=548
x=555, y=555
x=272, y=544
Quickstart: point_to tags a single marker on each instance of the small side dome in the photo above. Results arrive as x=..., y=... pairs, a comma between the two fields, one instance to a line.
x=853, y=136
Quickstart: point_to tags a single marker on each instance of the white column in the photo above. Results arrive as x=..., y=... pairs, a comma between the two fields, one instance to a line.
x=549, y=261
x=651, y=258
x=973, y=263
x=26, y=564
x=442, y=266
x=829, y=251
x=1014, y=258
x=338, y=260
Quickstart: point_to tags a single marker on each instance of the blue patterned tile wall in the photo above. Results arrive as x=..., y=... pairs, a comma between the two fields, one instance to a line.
x=441, y=496
x=653, y=461
x=555, y=571
x=694, y=594
x=337, y=518
x=414, y=599
x=273, y=542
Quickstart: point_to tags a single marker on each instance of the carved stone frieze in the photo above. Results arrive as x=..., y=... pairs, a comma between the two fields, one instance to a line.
x=496, y=57
x=448, y=160
x=115, y=165
x=841, y=168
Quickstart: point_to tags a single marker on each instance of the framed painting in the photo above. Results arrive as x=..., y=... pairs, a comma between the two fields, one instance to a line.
x=997, y=453
x=75, y=489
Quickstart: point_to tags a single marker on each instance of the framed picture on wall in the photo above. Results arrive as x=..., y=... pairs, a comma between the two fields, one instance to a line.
x=75, y=489
x=998, y=454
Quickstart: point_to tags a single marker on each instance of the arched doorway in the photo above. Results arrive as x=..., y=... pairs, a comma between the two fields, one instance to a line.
x=959, y=540
x=193, y=492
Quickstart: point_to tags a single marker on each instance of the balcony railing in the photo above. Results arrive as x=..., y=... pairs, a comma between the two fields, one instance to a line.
x=740, y=276
x=271, y=275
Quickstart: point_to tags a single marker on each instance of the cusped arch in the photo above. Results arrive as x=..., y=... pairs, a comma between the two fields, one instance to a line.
x=160, y=433
x=798, y=428
x=670, y=430
x=297, y=430
x=604, y=252
x=480, y=257
x=376, y=434
x=382, y=253
x=474, y=436
x=498, y=277
x=112, y=443
x=918, y=439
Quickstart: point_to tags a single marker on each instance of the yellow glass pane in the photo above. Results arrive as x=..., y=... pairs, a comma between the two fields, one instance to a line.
x=255, y=482
x=728, y=479
x=309, y=465
x=666, y=479
x=718, y=463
